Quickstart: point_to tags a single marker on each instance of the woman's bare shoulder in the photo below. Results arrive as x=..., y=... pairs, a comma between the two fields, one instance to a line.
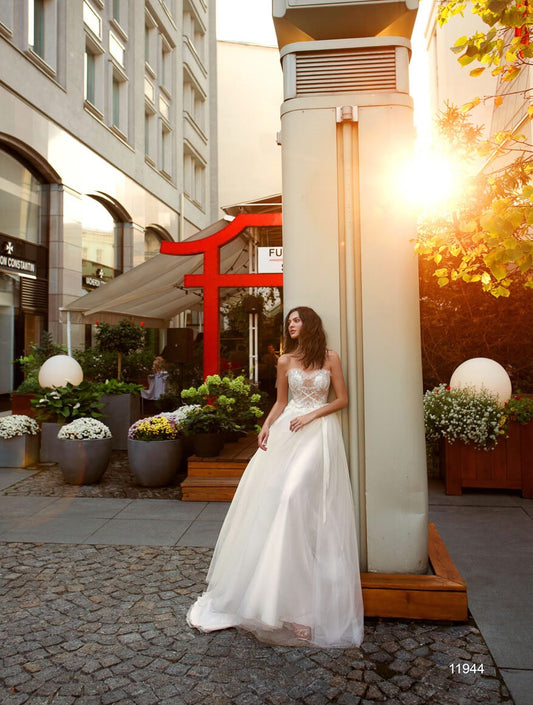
x=284, y=360
x=332, y=357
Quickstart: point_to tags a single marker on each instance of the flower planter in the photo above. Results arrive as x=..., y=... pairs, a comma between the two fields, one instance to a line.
x=507, y=466
x=154, y=463
x=19, y=452
x=207, y=445
x=84, y=462
x=50, y=443
x=119, y=412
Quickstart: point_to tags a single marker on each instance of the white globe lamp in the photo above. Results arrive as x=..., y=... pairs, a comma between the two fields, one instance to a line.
x=482, y=373
x=58, y=370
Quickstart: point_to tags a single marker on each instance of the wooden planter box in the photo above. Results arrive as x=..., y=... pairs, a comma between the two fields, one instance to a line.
x=21, y=404
x=508, y=466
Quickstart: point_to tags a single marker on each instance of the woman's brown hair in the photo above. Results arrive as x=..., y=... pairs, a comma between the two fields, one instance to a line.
x=312, y=339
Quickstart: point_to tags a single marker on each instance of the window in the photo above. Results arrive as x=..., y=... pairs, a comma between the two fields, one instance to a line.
x=119, y=100
x=150, y=136
x=94, y=83
x=90, y=76
x=101, y=246
x=152, y=243
x=42, y=30
x=195, y=34
x=194, y=101
x=150, y=40
x=92, y=20
x=166, y=148
x=116, y=10
x=194, y=176
x=117, y=49
x=20, y=201
x=117, y=87
x=165, y=79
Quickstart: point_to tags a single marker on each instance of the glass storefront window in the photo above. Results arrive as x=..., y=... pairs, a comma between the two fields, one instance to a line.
x=100, y=244
x=20, y=201
x=152, y=243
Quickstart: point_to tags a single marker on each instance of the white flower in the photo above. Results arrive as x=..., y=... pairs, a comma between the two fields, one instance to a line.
x=180, y=413
x=84, y=429
x=17, y=425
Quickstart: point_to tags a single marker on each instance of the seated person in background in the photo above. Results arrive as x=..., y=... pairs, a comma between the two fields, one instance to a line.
x=157, y=380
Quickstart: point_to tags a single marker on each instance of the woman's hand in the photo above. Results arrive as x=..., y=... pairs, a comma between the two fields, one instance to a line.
x=262, y=439
x=300, y=421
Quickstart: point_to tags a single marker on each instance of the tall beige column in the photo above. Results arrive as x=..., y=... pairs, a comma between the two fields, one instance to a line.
x=346, y=129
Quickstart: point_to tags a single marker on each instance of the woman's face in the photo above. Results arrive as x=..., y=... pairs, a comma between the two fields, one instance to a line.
x=294, y=325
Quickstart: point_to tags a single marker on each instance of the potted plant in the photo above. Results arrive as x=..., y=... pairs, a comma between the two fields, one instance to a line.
x=236, y=398
x=206, y=425
x=85, y=448
x=482, y=442
x=19, y=441
x=59, y=405
x=154, y=450
x=121, y=339
x=121, y=407
x=30, y=365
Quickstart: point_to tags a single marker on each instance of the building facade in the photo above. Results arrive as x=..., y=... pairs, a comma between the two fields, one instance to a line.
x=107, y=147
x=250, y=93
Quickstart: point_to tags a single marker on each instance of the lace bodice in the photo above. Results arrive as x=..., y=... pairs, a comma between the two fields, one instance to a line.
x=309, y=390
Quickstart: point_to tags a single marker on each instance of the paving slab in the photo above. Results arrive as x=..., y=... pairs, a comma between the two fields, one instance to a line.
x=23, y=507
x=10, y=476
x=139, y=532
x=201, y=533
x=521, y=684
x=52, y=529
x=104, y=508
x=214, y=511
x=157, y=509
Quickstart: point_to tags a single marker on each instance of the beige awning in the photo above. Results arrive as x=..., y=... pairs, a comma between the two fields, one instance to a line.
x=153, y=291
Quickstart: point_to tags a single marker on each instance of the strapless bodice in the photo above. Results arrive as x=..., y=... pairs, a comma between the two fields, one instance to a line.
x=309, y=390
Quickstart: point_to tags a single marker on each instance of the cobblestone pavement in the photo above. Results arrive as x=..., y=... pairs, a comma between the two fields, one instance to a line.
x=102, y=625
x=116, y=482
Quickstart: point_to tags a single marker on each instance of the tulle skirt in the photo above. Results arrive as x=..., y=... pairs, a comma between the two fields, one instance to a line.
x=287, y=551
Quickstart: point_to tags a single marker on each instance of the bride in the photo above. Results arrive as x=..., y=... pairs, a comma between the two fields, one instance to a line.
x=285, y=566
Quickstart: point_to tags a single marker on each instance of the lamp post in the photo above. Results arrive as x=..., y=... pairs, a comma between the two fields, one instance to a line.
x=346, y=123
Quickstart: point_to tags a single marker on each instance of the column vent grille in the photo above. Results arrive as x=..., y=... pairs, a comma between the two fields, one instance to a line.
x=345, y=71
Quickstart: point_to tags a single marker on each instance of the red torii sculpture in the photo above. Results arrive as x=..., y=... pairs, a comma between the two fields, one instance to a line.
x=212, y=279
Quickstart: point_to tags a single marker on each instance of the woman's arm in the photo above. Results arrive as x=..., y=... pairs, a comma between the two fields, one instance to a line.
x=282, y=386
x=341, y=395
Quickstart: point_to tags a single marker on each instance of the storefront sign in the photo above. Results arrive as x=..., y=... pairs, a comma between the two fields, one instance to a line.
x=270, y=260
x=93, y=282
x=11, y=263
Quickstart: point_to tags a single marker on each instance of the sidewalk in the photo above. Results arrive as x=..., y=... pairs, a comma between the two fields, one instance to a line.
x=94, y=592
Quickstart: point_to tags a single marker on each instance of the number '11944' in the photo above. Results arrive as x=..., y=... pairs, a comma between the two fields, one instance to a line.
x=467, y=668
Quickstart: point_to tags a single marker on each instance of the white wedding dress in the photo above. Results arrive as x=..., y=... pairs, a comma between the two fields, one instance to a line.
x=287, y=551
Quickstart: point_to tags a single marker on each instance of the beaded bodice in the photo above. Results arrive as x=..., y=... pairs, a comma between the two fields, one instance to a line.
x=309, y=390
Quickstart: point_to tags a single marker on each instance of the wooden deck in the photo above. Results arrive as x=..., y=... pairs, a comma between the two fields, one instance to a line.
x=440, y=596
